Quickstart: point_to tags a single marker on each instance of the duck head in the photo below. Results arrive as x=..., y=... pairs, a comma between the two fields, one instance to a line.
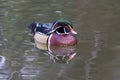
x=62, y=34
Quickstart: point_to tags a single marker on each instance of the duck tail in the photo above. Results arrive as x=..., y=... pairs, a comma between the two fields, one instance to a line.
x=32, y=27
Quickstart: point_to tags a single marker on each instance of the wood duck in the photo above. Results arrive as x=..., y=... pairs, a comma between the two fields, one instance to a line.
x=58, y=33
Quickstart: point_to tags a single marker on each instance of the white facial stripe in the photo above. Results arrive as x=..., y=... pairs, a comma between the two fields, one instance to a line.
x=54, y=25
x=61, y=33
x=53, y=30
x=57, y=27
x=64, y=31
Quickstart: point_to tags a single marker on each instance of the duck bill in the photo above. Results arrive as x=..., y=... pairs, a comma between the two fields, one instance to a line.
x=73, y=32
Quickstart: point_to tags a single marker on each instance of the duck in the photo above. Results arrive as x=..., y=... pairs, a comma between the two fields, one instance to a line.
x=58, y=33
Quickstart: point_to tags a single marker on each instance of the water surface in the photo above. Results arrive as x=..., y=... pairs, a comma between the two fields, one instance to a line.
x=97, y=52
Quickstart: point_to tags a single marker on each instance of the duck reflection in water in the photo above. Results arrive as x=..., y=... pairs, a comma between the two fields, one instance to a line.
x=58, y=54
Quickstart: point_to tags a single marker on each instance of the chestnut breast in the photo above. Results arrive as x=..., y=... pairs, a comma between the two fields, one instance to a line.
x=62, y=40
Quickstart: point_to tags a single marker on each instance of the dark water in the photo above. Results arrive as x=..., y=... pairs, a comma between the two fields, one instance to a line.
x=98, y=51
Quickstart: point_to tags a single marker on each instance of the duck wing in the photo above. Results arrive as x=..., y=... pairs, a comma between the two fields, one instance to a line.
x=42, y=28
